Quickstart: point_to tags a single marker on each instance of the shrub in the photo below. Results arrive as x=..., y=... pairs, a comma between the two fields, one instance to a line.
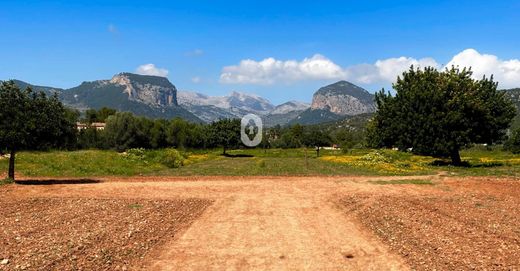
x=135, y=154
x=172, y=158
x=513, y=144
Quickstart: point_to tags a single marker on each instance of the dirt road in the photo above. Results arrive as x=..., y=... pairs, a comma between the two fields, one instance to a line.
x=254, y=224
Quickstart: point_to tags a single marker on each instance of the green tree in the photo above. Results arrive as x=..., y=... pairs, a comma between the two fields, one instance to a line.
x=93, y=115
x=513, y=143
x=438, y=113
x=177, y=133
x=123, y=131
x=316, y=137
x=158, y=134
x=32, y=121
x=225, y=133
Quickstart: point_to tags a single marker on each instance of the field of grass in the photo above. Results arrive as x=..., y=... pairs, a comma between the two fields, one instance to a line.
x=91, y=163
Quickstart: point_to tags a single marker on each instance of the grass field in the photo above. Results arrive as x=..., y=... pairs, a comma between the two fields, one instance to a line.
x=256, y=162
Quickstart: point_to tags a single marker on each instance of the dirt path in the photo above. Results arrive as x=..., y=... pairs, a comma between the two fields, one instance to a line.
x=255, y=223
x=275, y=227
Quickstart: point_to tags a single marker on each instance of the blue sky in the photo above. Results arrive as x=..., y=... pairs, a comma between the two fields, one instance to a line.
x=203, y=44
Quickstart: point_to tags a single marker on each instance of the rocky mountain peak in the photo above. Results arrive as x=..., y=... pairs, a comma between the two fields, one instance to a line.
x=343, y=98
x=152, y=90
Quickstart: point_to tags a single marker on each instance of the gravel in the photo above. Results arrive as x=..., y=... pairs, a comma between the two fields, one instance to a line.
x=469, y=226
x=88, y=234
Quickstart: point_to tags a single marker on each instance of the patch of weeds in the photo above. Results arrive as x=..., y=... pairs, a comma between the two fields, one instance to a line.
x=6, y=181
x=405, y=181
x=135, y=206
x=261, y=163
x=134, y=154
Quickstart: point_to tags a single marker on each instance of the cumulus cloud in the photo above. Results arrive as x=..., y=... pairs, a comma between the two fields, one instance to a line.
x=506, y=72
x=384, y=71
x=317, y=67
x=270, y=70
x=150, y=69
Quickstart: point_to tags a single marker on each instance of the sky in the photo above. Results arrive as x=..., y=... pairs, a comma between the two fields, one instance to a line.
x=280, y=50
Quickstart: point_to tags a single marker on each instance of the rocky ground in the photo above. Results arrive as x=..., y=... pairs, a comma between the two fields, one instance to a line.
x=88, y=234
x=468, y=225
x=261, y=223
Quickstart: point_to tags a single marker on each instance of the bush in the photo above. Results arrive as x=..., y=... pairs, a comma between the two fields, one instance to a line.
x=513, y=144
x=172, y=158
x=135, y=154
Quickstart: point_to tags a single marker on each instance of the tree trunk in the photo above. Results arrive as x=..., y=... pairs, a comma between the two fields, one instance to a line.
x=224, y=151
x=318, y=152
x=11, y=165
x=306, y=160
x=455, y=158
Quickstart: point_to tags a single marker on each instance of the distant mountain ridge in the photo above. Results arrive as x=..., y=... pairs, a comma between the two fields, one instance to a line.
x=143, y=95
x=157, y=97
x=284, y=113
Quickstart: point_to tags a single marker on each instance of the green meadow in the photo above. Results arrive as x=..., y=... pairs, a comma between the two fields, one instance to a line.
x=256, y=162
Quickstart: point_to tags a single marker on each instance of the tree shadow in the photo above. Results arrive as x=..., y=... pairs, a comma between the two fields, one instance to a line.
x=237, y=155
x=56, y=181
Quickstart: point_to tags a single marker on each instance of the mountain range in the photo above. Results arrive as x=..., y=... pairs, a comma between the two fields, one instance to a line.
x=157, y=97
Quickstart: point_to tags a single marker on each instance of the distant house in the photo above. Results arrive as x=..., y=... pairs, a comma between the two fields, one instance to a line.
x=96, y=125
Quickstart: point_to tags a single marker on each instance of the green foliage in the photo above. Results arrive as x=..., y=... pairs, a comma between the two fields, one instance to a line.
x=90, y=138
x=225, y=133
x=93, y=115
x=172, y=158
x=513, y=143
x=438, y=113
x=123, y=131
x=30, y=121
x=135, y=154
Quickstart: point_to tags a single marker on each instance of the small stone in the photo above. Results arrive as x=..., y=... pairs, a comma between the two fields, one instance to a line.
x=4, y=261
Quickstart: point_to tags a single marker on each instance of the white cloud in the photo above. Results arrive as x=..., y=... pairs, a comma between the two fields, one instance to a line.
x=506, y=72
x=318, y=67
x=270, y=70
x=150, y=69
x=384, y=71
x=196, y=79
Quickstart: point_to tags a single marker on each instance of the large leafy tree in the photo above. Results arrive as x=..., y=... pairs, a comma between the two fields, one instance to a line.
x=439, y=112
x=32, y=121
x=316, y=137
x=225, y=133
x=124, y=131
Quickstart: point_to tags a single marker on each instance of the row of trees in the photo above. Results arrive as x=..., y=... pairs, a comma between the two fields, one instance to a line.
x=124, y=130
